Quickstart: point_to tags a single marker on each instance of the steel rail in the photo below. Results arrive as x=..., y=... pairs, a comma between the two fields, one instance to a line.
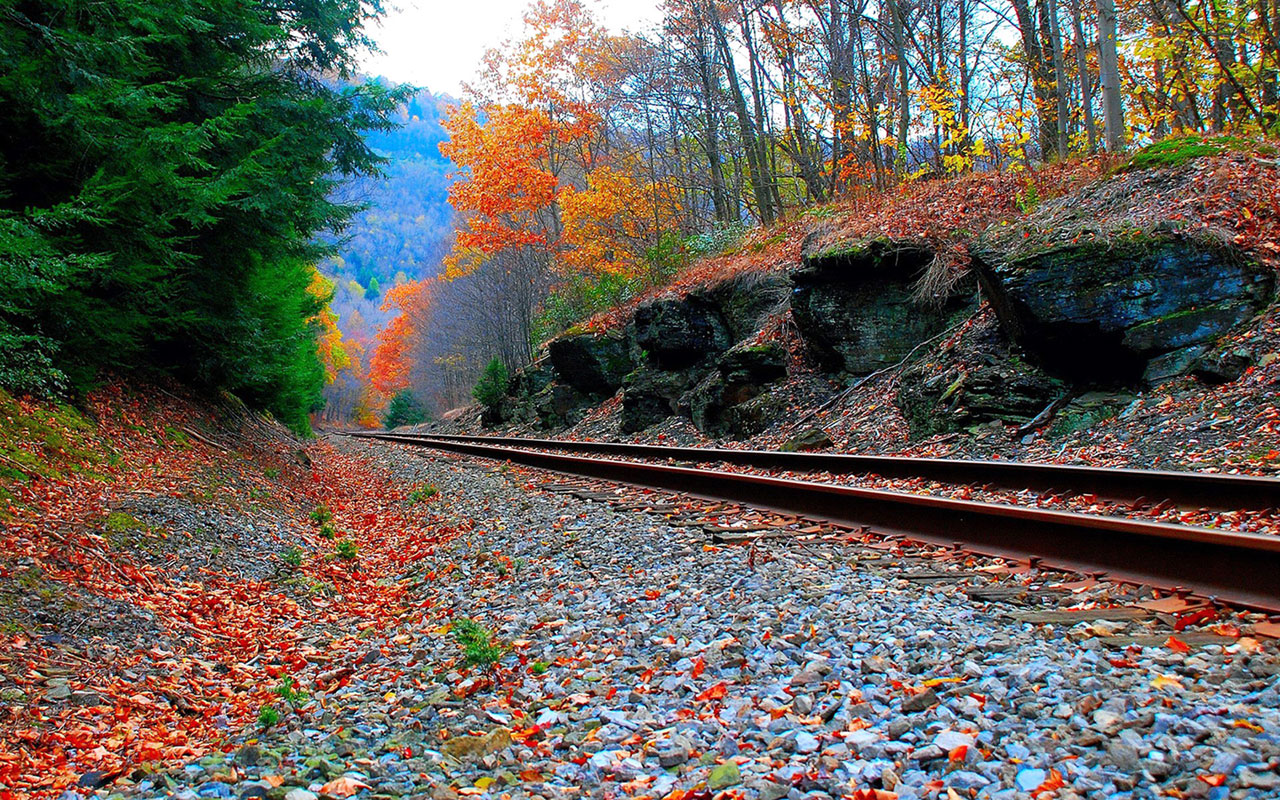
x=1237, y=568
x=1186, y=489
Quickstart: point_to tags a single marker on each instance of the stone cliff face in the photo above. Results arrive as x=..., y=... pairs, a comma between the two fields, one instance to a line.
x=1070, y=312
x=1123, y=311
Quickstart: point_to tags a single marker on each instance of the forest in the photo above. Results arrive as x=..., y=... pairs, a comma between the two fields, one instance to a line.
x=167, y=173
x=593, y=165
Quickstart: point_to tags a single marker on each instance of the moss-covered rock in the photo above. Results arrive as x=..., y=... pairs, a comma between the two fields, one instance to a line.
x=856, y=305
x=674, y=334
x=721, y=405
x=594, y=364
x=1120, y=308
x=982, y=379
x=651, y=396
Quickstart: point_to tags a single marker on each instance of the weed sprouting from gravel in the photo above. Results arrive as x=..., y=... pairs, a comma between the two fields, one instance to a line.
x=346, y=550
x=321, y=515
x=288, y=691
x=423, y=493
x=477, y=642
x=268, y=717
x=292, y=557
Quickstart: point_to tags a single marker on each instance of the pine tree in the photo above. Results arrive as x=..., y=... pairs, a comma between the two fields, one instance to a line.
x=165, y=167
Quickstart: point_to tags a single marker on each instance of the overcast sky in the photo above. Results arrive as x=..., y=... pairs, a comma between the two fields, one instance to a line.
x=437, y=44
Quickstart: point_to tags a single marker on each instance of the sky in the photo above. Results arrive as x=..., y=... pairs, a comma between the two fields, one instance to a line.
x=438, y=44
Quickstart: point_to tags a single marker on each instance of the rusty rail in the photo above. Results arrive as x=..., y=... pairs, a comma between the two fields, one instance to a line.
x=1186, y=489
x=1237, y=568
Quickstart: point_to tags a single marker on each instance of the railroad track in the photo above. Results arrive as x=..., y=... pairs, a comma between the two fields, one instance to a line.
x=1236, y=568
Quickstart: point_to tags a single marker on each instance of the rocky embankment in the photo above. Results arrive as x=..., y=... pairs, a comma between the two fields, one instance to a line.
x=1075, y=310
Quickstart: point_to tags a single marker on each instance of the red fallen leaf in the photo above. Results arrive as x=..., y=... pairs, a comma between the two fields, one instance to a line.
x=1121, y=662
x=958, y=754
x=1195, y=618
x=1051, y=784
x=1226, y=629
x=1177, y=645
x=1213, y=780
x=698, y=667
x=652, y=594
x=647, y=675
x=713, y=693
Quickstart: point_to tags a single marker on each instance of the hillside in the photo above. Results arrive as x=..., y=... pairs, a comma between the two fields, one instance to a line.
x=909, y=324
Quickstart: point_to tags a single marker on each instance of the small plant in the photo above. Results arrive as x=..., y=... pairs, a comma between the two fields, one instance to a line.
x=477, y=643
x=539, y=667
x=268, y=716
x=327, y=531
x=345, y=549
x=423, y=493
x=321, y=514
x=289, y=692
x=292, y=557
x=1029, y=198
x=492, y=386
x=271, y=473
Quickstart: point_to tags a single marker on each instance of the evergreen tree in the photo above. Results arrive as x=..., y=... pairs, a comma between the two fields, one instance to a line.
x=165, y=168
x=404, y=409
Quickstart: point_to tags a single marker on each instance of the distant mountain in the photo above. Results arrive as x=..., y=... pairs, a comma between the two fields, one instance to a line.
x=408, y=226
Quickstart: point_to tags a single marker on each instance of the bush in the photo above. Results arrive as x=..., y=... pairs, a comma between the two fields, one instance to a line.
x=477, y=643
x=345, y=549
x=492, y=386
x=404, y=409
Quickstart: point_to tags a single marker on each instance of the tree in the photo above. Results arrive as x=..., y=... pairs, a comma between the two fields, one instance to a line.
x=1109, y=76
x=492, y=386
x=165, y=168
x=404, y=409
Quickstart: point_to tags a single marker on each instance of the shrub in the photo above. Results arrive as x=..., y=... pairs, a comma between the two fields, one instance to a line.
x=292, y=557
x=268, y=716
x=321, y=514
x=423, y=493
x=404, y=409
x=477, y=643
x=345, y=549
x=492, y=386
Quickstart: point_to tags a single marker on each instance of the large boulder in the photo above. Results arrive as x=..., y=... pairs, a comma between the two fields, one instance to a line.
x=677, y=333
x=856, y=304
x=651, y=396
x=746, y=300
x=559, y=405
x=981, y=379
x=721, y=405
x=1120, y=308
x=594, y=364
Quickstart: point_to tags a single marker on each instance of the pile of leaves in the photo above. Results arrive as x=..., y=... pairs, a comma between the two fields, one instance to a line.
x=218, y=646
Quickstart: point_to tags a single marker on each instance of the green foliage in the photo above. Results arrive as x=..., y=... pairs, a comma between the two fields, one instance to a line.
x=373, y=291
x=288, y=691
x=321, y=514
x=1178, y=150
x=492, y=386
x=1029, y=198
x=477, y=643
x=292, y=557
x=166, y=169
x=539, y=667
x=404, y=409
x=423, y=493
x=345, y=550
x=268, y=716
x=327, y=531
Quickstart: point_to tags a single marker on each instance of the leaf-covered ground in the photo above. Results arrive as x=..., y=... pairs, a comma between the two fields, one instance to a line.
x=193, y=607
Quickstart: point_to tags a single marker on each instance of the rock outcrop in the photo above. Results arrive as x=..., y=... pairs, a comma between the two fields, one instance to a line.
x=856, y=304
x=594, y=364
x=982, y=379
x=1119, y=309
x=674, y=334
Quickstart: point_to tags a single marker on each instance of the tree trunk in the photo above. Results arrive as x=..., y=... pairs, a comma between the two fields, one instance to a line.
x=897, y=34
x=1086, y=82
x=746, y=128
x=1035, y=47
x=1109, y=76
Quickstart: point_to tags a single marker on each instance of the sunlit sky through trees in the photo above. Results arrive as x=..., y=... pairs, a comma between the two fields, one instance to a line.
x=438, y=44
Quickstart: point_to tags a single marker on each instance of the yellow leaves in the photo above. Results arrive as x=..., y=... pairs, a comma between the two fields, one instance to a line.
x=1166, y=682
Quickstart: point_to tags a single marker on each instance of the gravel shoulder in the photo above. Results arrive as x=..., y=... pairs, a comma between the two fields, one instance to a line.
x=640, y=660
